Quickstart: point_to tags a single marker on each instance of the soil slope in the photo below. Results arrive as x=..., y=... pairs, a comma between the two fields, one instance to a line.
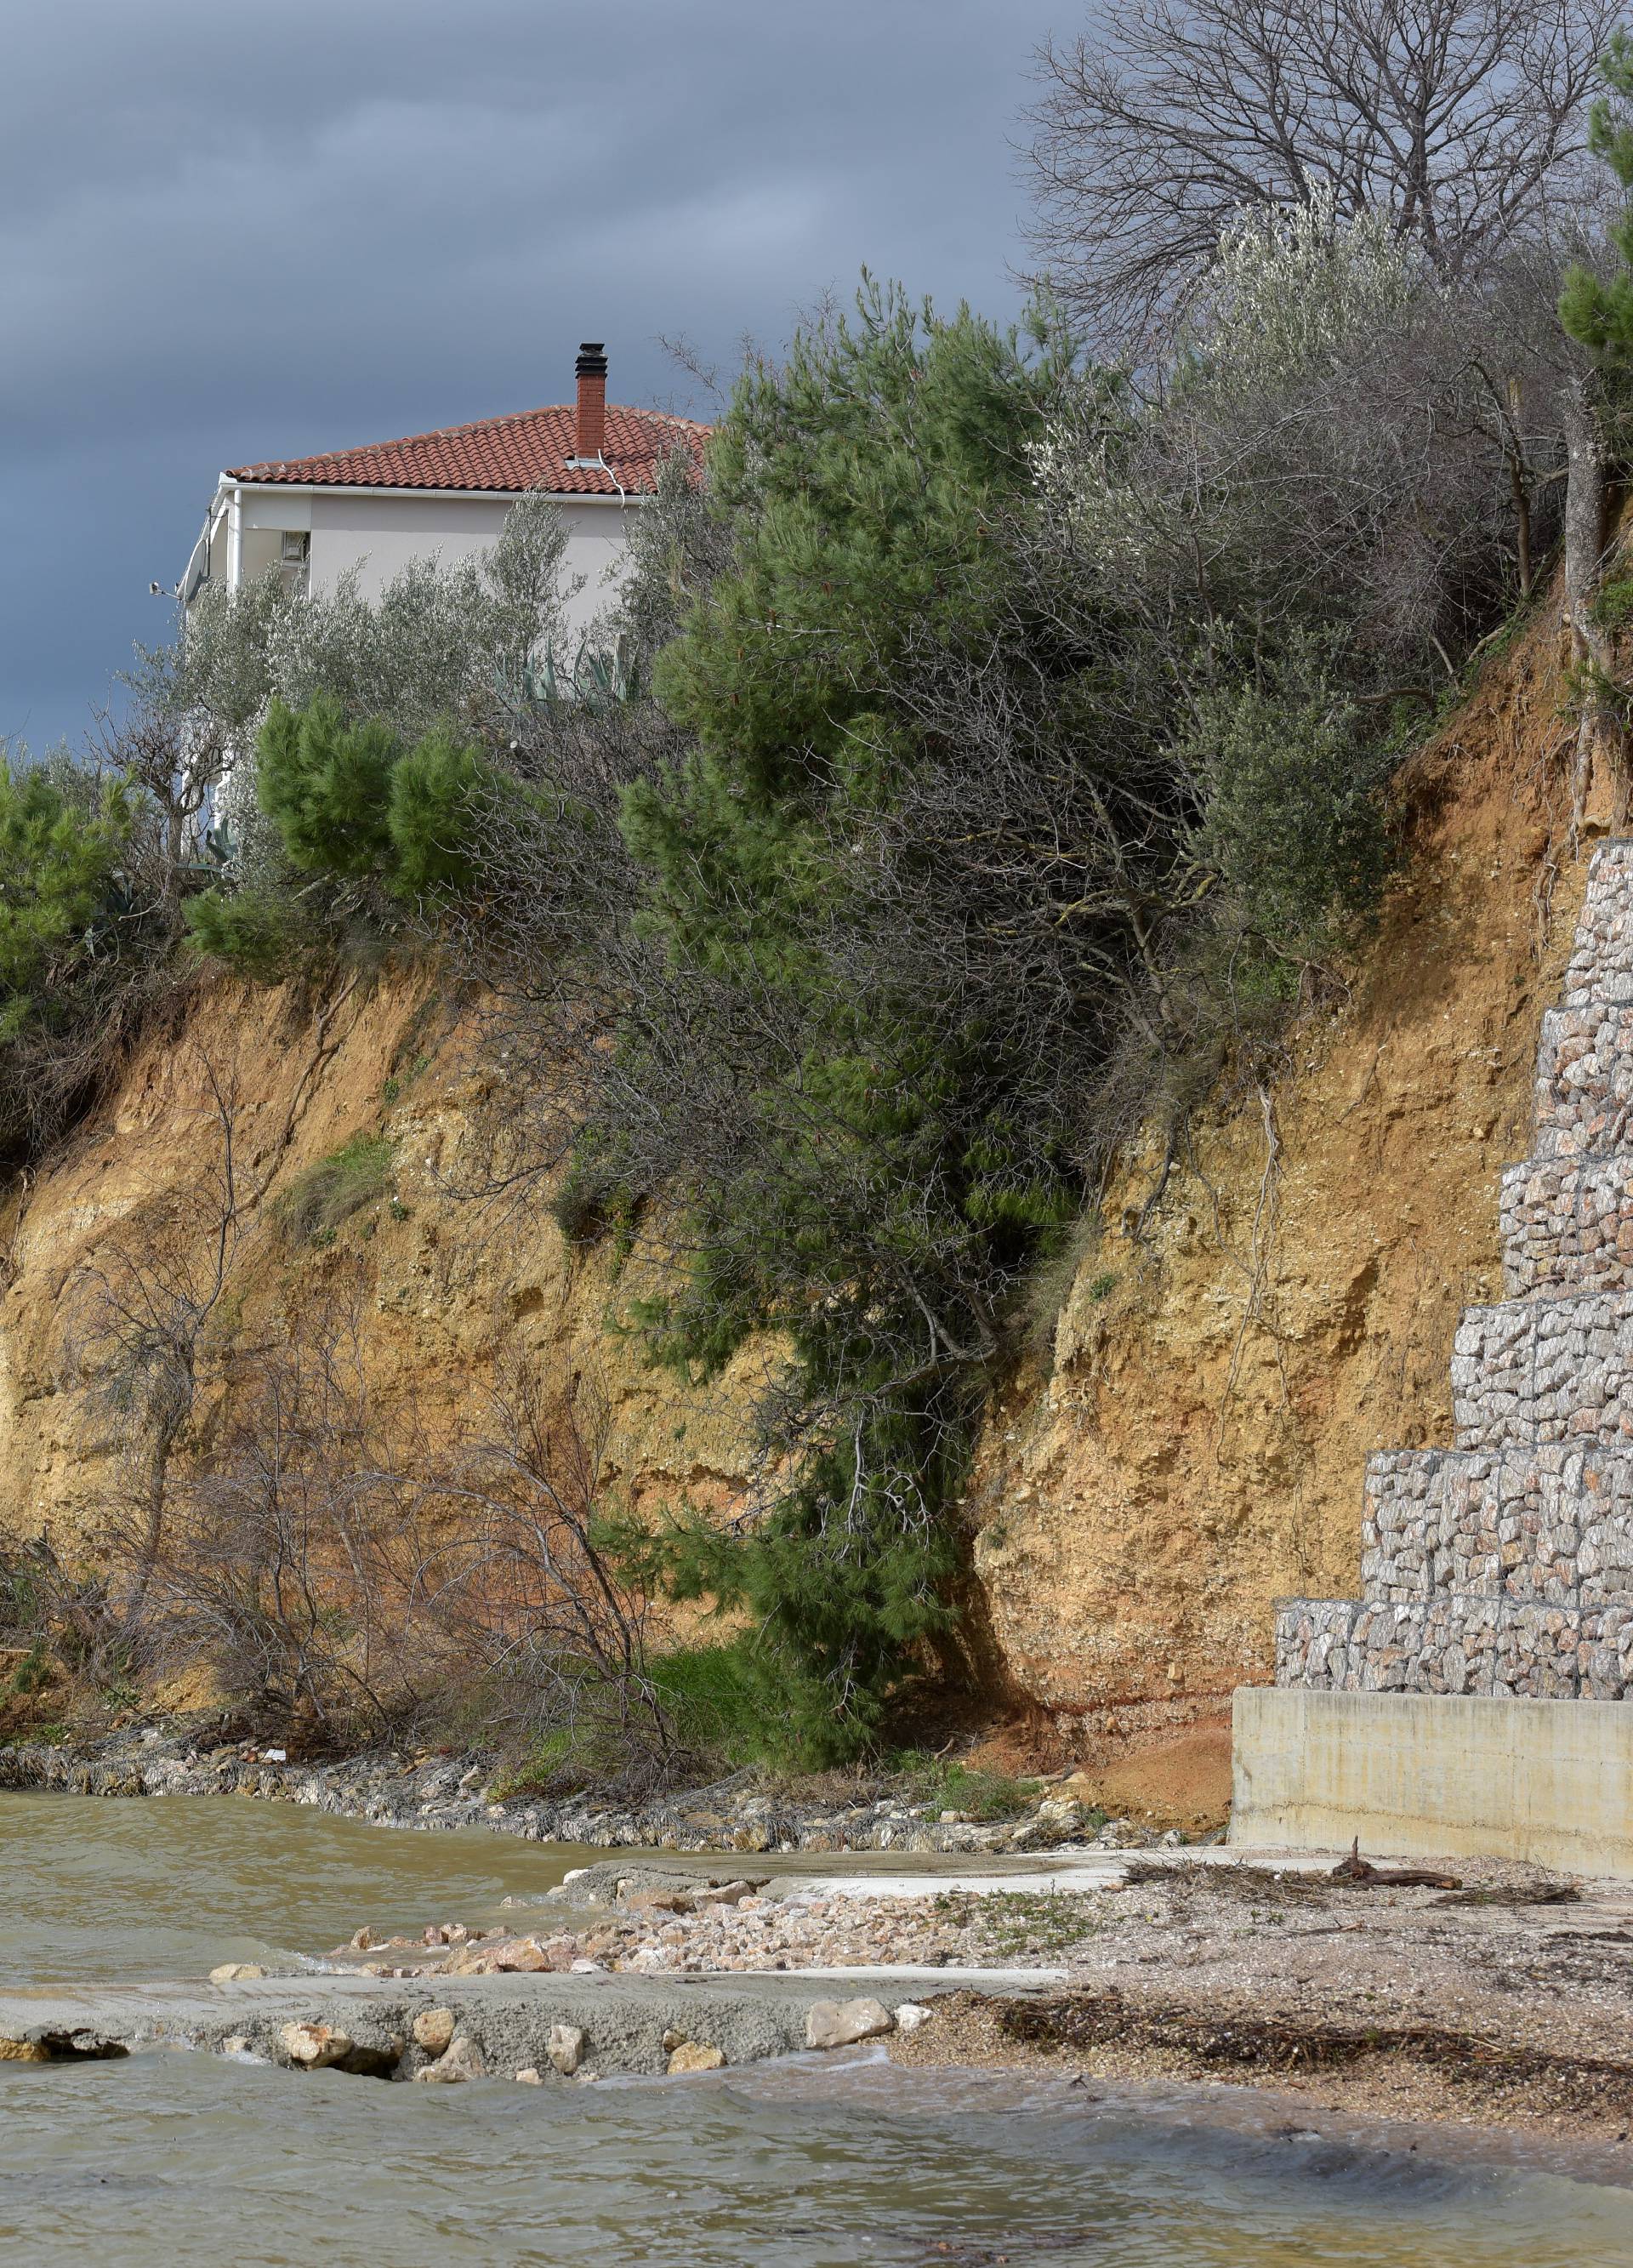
x=1219, y=1378
x=446, y=1290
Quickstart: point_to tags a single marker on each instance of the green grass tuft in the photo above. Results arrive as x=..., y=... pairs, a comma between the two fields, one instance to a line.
x=1613, y=606
x=328, y=1193
x=32, y=1673
x=716, y=1703
x=945, y=1785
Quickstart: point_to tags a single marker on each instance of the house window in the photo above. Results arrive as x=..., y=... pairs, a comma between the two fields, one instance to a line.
x=295, y=560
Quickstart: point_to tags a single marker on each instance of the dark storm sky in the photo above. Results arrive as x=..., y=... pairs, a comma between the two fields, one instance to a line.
x=232, y=230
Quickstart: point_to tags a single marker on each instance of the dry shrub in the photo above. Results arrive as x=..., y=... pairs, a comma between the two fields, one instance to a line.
x=283, y=1563
x=524, y=1588
x=336, y=1187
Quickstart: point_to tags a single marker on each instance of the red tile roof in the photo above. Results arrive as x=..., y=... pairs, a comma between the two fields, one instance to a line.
x=527, y=451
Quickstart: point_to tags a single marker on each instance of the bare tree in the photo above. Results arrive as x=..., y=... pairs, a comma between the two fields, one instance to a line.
x=1461, y=120
x=153, y=1297
x=150, y=1301
x=178, y=760
x=518, y=1577
x=286, y=1558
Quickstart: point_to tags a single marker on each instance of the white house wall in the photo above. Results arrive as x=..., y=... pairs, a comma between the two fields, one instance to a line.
x=262, y=550
x=276, y=509
x=379, y=534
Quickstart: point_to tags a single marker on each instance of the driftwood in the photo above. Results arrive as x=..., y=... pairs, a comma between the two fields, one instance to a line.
x=1355, y=1869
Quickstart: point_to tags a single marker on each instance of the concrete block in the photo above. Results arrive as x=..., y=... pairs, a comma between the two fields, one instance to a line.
x=1428, y=1775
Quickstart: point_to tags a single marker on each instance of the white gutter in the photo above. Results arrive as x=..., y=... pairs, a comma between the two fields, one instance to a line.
x=235, y=541
x=458, y=496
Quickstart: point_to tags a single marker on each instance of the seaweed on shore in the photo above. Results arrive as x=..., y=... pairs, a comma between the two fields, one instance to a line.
x=1233, y=2044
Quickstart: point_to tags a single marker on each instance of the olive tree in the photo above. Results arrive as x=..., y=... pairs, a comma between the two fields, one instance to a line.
x=443, y=640
x=1336, y=440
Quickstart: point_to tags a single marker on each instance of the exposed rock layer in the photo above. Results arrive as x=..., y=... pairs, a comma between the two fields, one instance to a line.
x=1221, y=1372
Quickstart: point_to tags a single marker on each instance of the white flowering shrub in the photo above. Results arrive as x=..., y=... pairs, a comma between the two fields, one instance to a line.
x=1328, y=439
x=1292, y=292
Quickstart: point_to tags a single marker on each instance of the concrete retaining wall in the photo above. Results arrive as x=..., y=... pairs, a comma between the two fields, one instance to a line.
x=1427, y=1775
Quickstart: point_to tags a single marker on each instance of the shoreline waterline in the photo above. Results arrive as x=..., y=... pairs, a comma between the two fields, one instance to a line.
x=784, y=2156
x=127, y=1895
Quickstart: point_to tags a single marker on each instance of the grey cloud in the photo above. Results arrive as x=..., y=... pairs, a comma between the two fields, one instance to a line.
x=232, y=232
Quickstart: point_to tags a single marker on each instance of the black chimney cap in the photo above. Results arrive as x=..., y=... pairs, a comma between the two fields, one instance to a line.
x=591, y=361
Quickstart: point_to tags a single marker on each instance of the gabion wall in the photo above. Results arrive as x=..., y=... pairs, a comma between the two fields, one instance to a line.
x=1504, y=1565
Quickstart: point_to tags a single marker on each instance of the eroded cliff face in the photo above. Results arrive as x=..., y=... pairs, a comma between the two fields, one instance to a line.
x=1196, y=1446
x=1219, y=1380
x=443, y=1289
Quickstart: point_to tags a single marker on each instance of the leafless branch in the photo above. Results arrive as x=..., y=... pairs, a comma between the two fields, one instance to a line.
x=1461, y=119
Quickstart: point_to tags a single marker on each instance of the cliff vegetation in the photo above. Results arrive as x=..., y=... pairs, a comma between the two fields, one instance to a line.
x=896, y=1126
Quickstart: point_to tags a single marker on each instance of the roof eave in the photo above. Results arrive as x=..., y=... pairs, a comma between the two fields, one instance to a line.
x=402, y=489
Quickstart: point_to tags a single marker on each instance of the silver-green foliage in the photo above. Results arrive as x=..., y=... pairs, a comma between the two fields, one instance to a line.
x=1337, y=437
x=1289, y=293
x=443, y=640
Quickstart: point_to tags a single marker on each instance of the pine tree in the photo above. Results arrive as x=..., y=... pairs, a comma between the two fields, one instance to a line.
x=349, y=799
x=432, y=809
x=59, y=856
x=880, y=1191
x=325, y=783
x=1596, y=311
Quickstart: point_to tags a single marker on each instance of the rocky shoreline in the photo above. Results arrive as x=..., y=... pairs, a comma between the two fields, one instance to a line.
x=523, y=2031
x=638, y=1920
x=1493, y=1995
x=440, y=1792
x=1498, y=1998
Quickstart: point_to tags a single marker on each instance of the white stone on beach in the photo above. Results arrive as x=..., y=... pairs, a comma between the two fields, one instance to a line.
x=566, y=2048
x=841, y=2024
x=694, y=2055
x=433, y=2029
x=462, y=2061
x=314, y=2047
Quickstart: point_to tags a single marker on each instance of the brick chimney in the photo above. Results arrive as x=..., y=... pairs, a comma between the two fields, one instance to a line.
x=590, y=430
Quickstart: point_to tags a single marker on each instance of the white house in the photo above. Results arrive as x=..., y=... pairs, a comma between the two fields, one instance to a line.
x=374, y=508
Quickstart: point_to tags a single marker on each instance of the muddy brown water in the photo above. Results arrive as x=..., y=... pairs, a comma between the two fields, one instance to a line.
x=173, y=2158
